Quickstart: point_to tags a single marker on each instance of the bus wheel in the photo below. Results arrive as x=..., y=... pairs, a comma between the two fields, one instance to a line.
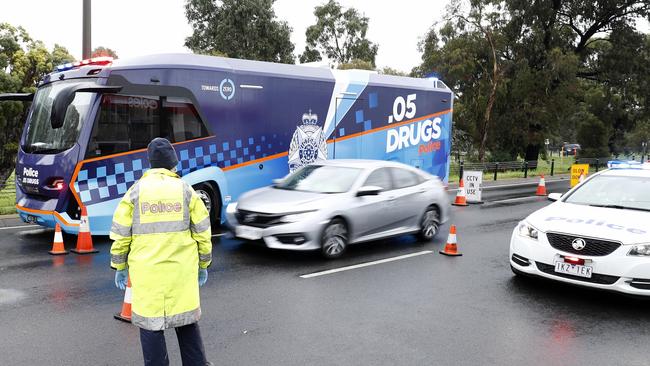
x=210, y=200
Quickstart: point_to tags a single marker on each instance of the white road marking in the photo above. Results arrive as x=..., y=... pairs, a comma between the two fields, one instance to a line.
x=19, y=227
x=220, y=234
x=335, y=270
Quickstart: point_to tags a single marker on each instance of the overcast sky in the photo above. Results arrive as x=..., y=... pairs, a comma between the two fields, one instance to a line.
x=137, y=27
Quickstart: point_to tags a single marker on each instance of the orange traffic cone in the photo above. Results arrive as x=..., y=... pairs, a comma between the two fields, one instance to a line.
x=125, y=315
x=541, y=187
x=451, y=248
x=58, y=248
x=84, y=240
x=461, y=196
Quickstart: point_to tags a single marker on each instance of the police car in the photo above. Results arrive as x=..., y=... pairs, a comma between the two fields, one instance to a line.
x=596, y=235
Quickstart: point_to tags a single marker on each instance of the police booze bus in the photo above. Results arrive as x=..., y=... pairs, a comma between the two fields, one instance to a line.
x=236, y=125
x=596, y=235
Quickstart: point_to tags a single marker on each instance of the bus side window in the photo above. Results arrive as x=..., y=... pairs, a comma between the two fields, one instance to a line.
x=130, y=122
x=182, y=120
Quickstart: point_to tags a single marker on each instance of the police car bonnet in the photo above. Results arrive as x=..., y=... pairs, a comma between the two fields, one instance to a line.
x=626, y=226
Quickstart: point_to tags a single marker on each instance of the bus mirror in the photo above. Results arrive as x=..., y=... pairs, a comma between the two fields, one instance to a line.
x=66, y=95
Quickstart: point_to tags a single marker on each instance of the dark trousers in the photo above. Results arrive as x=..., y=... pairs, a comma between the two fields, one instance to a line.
x=154, y=348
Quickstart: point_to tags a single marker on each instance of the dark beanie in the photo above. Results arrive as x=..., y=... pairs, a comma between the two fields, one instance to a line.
x=161, y=154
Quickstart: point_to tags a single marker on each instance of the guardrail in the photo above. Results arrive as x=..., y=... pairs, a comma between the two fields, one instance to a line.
x=524, y=166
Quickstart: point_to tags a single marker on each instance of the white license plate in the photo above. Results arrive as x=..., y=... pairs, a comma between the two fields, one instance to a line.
x=573, y=269
x=247, y=232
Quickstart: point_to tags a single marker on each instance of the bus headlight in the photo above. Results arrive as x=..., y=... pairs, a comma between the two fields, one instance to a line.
x=642, y=250
x=528, y=231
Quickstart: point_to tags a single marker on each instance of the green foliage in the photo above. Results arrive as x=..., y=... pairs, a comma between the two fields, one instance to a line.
x=592, y=135
x=104, y=51
x=246, y=29
x=559, y=67
x=357, y=65
x=23, y=63
x=390, y=71
x=339, y=36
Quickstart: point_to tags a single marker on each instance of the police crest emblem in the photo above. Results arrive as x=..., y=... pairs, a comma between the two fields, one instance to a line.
x=308, y=143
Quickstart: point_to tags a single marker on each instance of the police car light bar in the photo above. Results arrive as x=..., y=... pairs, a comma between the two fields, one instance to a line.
x=97, y=61
x=616, y=164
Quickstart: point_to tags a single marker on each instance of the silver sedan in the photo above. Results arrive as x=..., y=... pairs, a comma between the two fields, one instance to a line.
x=331, y=204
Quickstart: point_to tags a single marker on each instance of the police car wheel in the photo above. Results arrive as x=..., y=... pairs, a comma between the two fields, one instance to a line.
x=207, y=195
x=430, y=224
x=335, y=239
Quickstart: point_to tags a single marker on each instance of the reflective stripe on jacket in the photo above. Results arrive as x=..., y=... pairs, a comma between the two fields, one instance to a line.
x=161, y=229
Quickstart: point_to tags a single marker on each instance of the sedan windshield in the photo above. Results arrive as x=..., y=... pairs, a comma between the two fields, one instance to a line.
x=41, y=137
x=614, y=192
x=321, y=179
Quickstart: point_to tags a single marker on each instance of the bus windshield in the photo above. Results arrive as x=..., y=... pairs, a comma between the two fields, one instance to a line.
x=41, y=138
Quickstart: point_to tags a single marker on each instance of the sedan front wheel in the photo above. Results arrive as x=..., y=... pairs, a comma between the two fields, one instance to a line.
x=335, y=239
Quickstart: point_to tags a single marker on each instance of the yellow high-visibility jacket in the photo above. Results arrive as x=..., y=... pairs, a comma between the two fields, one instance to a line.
x=161, y=230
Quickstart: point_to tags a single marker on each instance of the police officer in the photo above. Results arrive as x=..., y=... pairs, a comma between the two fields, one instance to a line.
x=161, y=233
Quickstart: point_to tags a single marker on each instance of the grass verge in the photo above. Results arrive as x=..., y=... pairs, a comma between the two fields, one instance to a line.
x=8, y=197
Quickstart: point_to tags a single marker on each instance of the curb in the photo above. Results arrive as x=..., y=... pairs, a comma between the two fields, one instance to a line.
x=508, y=183
x=11, y=220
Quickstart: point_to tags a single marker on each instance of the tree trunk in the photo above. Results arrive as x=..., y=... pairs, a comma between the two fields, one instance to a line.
x=491, y=99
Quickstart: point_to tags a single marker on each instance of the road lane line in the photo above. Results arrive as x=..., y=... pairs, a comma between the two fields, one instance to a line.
x=19, y=227
x=335, y=270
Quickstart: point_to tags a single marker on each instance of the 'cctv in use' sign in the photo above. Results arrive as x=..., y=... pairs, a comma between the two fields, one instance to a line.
x=473, y=180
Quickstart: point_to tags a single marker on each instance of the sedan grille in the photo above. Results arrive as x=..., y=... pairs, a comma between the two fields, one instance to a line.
x=595, y=277
x=591, y=247
x=257, y=219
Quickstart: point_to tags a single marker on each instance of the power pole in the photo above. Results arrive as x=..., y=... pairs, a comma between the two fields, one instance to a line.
x=86, y=44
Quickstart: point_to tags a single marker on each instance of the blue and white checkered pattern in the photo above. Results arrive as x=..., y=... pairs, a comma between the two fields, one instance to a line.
x=107, y=179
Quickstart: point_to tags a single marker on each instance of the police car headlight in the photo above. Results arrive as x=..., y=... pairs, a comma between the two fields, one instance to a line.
x=231, y=208
x=528, y=231
x=640, y=250
x=297, y=217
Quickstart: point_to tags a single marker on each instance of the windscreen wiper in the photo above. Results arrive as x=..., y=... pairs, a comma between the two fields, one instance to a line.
x=622, y=207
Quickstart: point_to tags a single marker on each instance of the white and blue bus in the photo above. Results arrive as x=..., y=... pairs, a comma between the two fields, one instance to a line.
x=236, y=125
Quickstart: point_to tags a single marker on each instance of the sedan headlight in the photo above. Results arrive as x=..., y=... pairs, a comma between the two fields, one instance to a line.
x=642, y=250
x=296, y=217
x=527, y=230
x=231, y=208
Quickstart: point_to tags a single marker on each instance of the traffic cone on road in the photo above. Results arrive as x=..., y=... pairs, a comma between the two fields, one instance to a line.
x=58, y=247
x=451, y=249
x=541, y=187
x=461, y=196
x=125, y=315
x=84, y=240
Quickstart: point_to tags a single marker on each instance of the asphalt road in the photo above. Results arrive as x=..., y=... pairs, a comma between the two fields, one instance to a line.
x=426, y=309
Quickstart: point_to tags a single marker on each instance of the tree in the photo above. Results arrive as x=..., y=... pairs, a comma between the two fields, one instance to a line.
x=339, y=36
x=104, y=51
x=357, y=64
x=390, y=71
x=246, y=29
x=541, y=66
x=23, y=63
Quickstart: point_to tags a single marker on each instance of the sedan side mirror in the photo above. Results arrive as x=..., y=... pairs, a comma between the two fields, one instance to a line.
x=368, y=191
x=554, y=196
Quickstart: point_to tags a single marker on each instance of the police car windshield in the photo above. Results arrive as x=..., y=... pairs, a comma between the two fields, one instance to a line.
x=321, y=179
x=614, y=192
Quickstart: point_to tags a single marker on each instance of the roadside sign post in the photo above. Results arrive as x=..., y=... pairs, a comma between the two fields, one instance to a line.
x=578, y=170
x=473, y=185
